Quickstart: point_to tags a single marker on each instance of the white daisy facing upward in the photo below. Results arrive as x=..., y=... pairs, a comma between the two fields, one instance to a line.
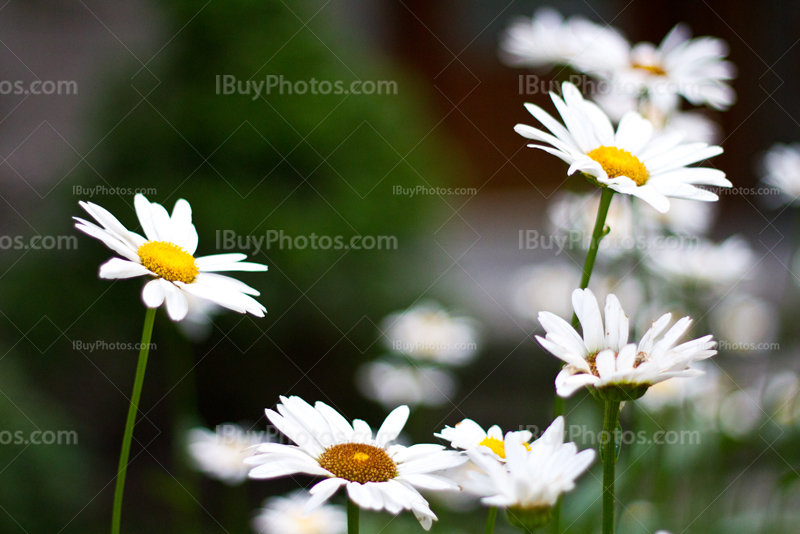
x=631, y=160
x=469, y=435
x=167, y=256
x=604, y=361
x=530, y=482
x=283, y=515
x=377, y=474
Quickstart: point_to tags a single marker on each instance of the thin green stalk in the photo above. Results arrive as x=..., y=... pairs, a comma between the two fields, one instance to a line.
x=133, y=409
x=490, y=520
x=352, y=517
x=610, y=422
x=597, y=235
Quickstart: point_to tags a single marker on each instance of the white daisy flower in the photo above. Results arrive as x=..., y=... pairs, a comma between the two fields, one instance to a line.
x=428, y=332
x=717, y=266
x=529, y=484
x=780, y=168
x=283, y=515
x=542, y=41
x=393, y=385
x=604, y=361
x=167, y=255
x=629, y=161
x=377, y=475
x=221, y=454
x=469, y=435
x=680, y=66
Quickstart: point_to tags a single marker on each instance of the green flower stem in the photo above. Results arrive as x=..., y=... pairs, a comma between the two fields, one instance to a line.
x=610, y=423
x=597, y=235
x=352, y=517
x=133, y=409
x=490, y=520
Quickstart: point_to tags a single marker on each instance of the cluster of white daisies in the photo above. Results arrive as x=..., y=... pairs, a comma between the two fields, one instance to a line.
x=631, y=77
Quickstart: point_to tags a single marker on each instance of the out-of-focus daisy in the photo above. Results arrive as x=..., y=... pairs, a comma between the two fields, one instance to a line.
x=542, y=41
x=692, y=68
x=377, y=475
x=780, y=168
x=167, y=256
x=428, y=332
x=393, y=385
x=221, y=454
x=468, y=435
x=781, y=398
x=574, y=215
x=529, y=484
x=705, y=263
x=740, y=413
x=745, y=323
x=604, y=361
x=284, y=515
x=675, y=393
x=683, y=218
x=197, y=324
x=629, y=161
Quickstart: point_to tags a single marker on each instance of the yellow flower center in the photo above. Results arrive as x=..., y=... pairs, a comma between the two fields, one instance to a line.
x=498, y=446
x=652, y=69
x=169, y=261
x=619, y=162
x=358, y=462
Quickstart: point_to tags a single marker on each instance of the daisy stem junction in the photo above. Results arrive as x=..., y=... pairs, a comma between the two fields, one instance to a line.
x=490, y=520
x=144, y=351
x=610, y=422
x=352, y=517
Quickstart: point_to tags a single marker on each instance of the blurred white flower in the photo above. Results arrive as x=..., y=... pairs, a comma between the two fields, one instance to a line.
x=198, y=323
x=427, y=332
x=574, y=214
x=393, y=385
x=468, y=435
x=680, y=66
x=541, y=41
x=674, y=393
x=544, y=287
x=549, y=287
x=221, y=454
x=683, y=218
x=284, y=515
x=780, y=167
x=740, y=413
x=781, y=398
x=717, y=266
x=745, y=323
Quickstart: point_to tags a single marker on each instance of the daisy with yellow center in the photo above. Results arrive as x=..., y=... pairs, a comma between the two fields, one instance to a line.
x=166, y=254
x=378, y=475
x=631, y=160
x=468, y=435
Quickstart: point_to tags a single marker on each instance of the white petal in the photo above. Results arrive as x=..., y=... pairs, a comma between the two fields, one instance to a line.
x=392, y=426
x=119, y=268
x=322, y=492
x=153, y=293
x=177, y=303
